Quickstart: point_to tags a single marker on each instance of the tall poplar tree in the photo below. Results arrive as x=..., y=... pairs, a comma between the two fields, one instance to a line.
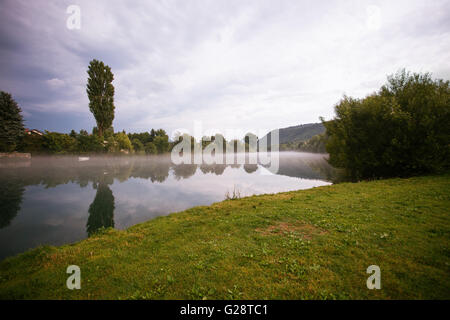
x=100, y=92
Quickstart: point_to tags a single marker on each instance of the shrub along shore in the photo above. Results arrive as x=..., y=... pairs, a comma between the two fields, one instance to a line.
x=308, y=244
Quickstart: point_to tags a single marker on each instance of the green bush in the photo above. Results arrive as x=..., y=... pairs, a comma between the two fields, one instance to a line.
x=59, y=143
x=316, y=144
x=89, y=143
x=123, y=141
x=161, y=143
x=150, y=148
x=33, y=144
x=137, y=145
x=111, y=145
x=401, y=130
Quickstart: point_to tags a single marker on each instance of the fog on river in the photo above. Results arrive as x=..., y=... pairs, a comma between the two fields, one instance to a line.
x=58, y=200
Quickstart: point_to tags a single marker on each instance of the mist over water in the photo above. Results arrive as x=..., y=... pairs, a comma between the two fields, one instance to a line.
x=59, y=200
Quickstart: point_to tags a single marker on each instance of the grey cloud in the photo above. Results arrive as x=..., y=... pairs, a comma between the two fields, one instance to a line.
x=228, y=63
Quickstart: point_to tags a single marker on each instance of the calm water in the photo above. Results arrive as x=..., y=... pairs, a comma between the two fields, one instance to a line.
x=60, y=200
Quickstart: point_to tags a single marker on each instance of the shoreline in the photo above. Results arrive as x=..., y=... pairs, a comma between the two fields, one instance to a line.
x=308, y=244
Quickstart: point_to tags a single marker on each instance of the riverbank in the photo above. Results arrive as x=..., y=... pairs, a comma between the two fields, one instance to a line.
x=309, y=244
x=15, y=155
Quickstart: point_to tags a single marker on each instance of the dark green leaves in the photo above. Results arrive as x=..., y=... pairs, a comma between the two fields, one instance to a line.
x=100, y=92
x=11, y=123
x=401, y=130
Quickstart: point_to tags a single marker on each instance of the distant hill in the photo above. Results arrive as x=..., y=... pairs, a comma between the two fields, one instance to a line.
x=297, y=134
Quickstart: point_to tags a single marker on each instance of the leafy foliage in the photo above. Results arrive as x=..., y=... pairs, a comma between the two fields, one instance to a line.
x=150, y=148
x=317, y=144
x=137, y=145
x=100, y=92
x=161, y=143
x=59, y=143
x=89, y=143
x=84, y=143
x=11, y=123
x=123, y=141
x=401, y=130
x=295, y=134
x=143, y=137
x=155, y=141
x=32, y=143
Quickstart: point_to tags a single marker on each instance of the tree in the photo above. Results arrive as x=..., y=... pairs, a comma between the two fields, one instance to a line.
x=123, y=141
x=73, y=134
x=59, y=143
x=11, y=123
x=100, y=92
x=150, y=148
x=160, y=132
x=32, y=143
x=112, y=145
x=137, y=145
x=316, y=144
x=143, y=137
x=161, y=143
x=401, y=130
x=88, y=143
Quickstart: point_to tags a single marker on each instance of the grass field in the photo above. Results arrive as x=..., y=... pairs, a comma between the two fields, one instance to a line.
x=310, y=244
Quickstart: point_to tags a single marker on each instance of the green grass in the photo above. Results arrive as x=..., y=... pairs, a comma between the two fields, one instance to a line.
x=311, y=244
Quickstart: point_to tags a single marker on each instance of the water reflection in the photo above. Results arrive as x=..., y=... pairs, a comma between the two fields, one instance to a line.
x=59, y=200
x=250, y=168
x=217, y=169
x=101, y=210
x=184, y=171
x=11, y=193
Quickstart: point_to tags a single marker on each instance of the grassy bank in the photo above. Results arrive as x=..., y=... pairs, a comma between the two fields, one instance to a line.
x=311, y=244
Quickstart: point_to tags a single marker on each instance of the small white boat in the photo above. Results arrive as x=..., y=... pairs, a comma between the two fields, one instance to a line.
x=83, y=158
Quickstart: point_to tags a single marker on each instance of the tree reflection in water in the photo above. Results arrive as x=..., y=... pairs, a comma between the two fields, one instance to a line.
x=11, y=193
x=102, y=171
x=250, y=168
x=101, y=210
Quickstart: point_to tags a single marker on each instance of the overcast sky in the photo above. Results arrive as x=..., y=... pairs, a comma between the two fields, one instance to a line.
x=254, y=65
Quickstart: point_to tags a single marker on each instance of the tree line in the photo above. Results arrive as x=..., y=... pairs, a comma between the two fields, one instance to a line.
x=103, y=139
x=400, y=130
x=84, y=143
x=316, y=144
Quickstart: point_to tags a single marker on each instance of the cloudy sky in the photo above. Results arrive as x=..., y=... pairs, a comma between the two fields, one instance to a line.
x=255, y=65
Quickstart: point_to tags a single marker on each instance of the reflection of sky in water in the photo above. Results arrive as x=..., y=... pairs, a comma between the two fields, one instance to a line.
x=138, y=200
x=47, y=216
x=58, y=214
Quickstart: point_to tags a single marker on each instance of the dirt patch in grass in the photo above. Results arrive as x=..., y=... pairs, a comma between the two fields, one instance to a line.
x=305, y=230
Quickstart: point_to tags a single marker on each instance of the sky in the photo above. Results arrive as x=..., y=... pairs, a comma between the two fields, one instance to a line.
x=222, y=64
